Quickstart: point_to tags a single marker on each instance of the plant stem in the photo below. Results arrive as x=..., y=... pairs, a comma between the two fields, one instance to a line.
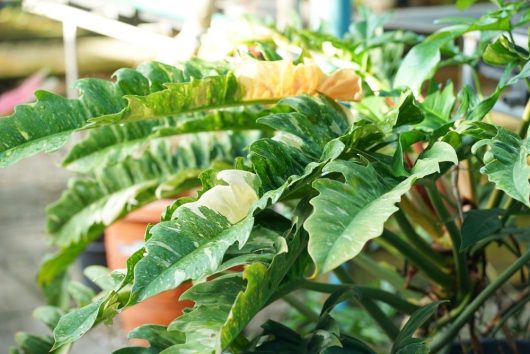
x=447, y=336
x=526, y=120
x=521, y=303
x=472, y=181
x=454, y=233
x=301, y=307
x=380, y=318
x=416, y=240
x=364, y=292
x=495, y=199
x=343, y=275
x=418, y=258
x=422, y=219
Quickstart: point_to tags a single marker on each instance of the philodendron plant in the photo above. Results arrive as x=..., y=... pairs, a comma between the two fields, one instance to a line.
x=303, y=169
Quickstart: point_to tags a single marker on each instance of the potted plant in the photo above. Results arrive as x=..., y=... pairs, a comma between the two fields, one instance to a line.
x=316, y=192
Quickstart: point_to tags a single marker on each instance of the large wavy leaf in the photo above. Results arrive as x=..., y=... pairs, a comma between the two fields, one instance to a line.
x=169, y=262
x=92, y=203
x=506, y=164
x=47, y=124
x=348, y=214
x=224, y=306
x=199, y=235
x=302, y=138
x=193, y=245
x=110, y=144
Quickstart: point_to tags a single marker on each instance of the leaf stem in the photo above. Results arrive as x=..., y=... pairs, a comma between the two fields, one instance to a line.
x=422, y=219
x=343, y=275
x=447, y=336
x=416, y=240
x=384, y=296
x=364, y=292
x=418, y=258
x=301, y=307
x=526, y=120
x=454, y=233
x=386, y=324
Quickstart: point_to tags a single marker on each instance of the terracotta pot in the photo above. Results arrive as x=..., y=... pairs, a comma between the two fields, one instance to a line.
x=122, y=239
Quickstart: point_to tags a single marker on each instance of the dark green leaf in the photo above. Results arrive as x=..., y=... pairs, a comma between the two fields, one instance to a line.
x=405, y=339
x=409, y=113
x=479, y=224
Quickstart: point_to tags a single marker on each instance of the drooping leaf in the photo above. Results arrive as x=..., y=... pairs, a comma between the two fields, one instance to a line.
x=302, y=138
x=347, y=215
x=91, y=204
x=478, y=224
x=111, y=144
x=217, y=320
x=47, y=124
x=76, y=323
x=506, y=164
x=200, y=235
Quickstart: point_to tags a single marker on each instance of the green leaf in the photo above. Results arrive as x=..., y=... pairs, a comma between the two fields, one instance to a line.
x=194, y=244
x=184, y=97
x=347, y=215
x=479, y=224
x=217, y=320
x=159, y=337
x=81, y=294
x=405, y=141
x=438, y=106
x=111, y=144
x=501, y=52
x=76, y=323
x=32, y=344
x=506, y=164
x=50, y=315
x=101, y=276
x=92, y=203
x=404, y=342
x=304, y=135
x=409, y=113
x=47, y=124
x=422, y=60
x=479, y=111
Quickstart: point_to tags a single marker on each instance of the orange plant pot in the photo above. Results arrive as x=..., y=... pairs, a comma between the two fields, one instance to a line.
x=122, y=239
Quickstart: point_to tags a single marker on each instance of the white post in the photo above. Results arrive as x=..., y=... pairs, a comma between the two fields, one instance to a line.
x=70, y=57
